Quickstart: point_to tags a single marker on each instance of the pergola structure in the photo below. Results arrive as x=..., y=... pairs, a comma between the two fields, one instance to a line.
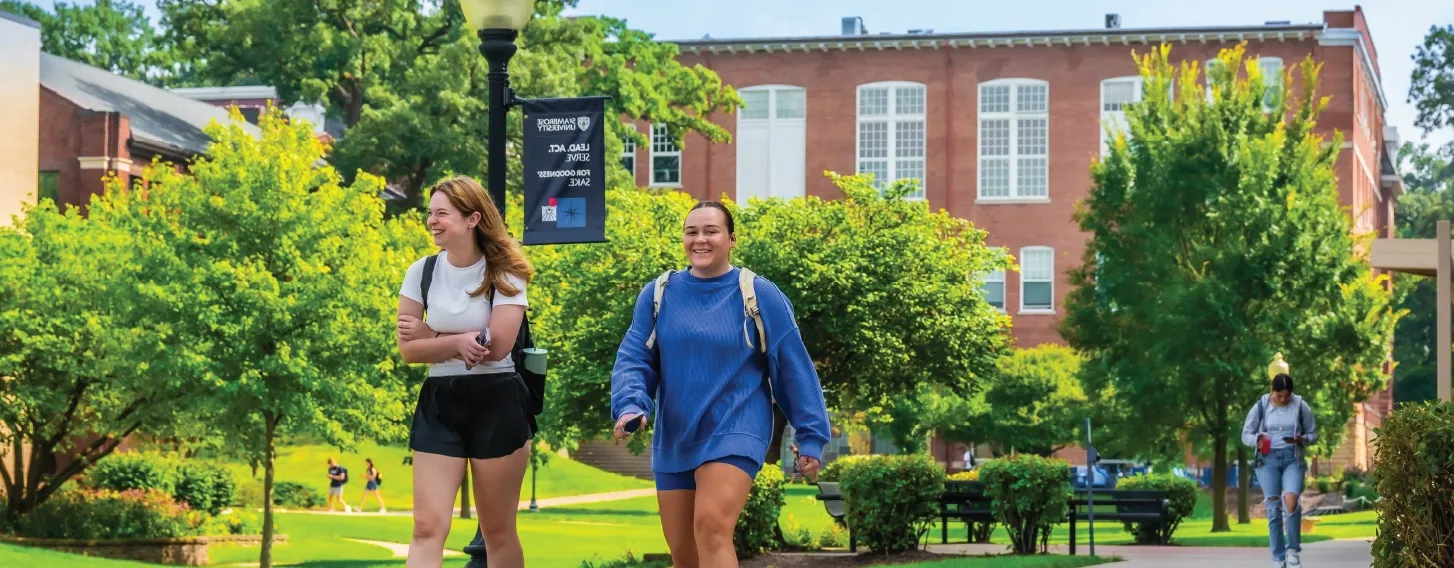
x=1426, y=257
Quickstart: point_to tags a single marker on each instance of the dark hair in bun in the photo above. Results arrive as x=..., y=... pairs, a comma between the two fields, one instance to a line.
x=1282, y=382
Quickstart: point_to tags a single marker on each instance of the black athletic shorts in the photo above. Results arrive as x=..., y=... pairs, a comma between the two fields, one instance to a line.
x=472, y=416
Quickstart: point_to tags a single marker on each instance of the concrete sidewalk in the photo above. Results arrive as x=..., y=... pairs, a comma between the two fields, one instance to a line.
x=1327, y=554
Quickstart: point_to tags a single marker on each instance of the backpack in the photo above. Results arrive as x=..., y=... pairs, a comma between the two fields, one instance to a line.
x=745, y=279
x=1262, y=424
x=534, y=382
x=344, y=472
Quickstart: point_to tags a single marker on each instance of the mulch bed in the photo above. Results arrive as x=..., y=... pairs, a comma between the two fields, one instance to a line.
x=837, y=560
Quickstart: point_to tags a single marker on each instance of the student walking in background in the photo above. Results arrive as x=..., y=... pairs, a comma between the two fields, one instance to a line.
x=1280, y=426
x=337, y=478
x=709, y=350
x=372, y=480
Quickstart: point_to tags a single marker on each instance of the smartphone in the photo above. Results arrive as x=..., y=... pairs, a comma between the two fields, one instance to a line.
x=483, y=339
x=1289, y=439
x=633, y=425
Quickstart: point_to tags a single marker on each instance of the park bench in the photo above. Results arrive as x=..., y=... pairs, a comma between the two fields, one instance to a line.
x=832, y=500
x=1134, y=506
x=963, y=501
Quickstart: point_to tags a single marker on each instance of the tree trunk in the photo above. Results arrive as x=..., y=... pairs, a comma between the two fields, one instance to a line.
x=779, y=428
x=464, y=494
x=1219, y=482
x=265, y=558
x=1244, y=476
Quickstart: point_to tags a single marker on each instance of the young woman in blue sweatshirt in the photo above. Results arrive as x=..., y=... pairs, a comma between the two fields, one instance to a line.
x=713, y=389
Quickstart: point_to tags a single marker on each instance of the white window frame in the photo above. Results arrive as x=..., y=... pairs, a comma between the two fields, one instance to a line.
x=1271, y=80
x=774, y=118
x=996, y=277
x=677, y=152
x=628, y=150
x=893, y=119
x=1024, y=268
x=1135, y=98
x=1017, y=194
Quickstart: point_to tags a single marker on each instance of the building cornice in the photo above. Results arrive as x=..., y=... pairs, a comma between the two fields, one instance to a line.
x=1351, y=37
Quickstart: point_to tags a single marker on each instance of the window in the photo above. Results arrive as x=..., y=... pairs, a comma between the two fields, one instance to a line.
x=1037, y=280
x=993, y=286
x=891, y=134
x=772, y=141
x=1014, y=139
x=628, y=153
x=49, y=187
x=666, y=157
x=1116, y=95
x=1272, y=78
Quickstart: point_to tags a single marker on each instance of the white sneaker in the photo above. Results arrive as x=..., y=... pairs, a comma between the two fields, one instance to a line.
x=383, y=511
x=1278, y=564
x=1294, y=559
x=348, y=509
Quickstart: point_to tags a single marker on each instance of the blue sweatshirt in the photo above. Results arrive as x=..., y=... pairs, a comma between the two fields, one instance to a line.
x=710, y=387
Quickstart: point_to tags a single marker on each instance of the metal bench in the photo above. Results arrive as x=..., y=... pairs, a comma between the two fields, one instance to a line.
x=1134, y=506
x=964, y=501
x=832, y=500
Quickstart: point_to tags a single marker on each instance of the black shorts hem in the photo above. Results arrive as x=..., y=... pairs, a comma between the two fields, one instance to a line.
x=472, y=416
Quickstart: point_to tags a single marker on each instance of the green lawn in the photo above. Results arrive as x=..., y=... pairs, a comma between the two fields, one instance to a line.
x=1016, y=562
x=308, y=464
x=11, y=555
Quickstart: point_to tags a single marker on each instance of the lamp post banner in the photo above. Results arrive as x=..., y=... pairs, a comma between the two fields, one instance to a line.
x=565, y=170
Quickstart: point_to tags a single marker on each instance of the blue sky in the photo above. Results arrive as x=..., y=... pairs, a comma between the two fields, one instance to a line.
x=1398, y=26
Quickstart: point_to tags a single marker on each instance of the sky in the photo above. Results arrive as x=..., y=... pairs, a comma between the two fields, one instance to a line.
x=1398, y=26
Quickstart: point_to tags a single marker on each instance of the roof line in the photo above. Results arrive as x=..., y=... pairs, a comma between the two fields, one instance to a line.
x=1095, y=32
x=19, y=19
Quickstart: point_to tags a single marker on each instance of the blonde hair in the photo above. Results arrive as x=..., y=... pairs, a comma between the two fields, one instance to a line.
x=502, y=254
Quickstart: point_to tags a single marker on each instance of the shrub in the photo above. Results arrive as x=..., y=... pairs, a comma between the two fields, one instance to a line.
x=1351, y=488
x=1182, y=493
x=832, y=471
x=1414, y=472
x=1325, y=485
x=296, y=496
x=796, y=536
x=134, y=470
x=106, y=514
x=205, y=486
x=1353, y=473
x=1029, y=494
x=234, y=523
x=891, y=500
x=756, y=529
x=971, y=475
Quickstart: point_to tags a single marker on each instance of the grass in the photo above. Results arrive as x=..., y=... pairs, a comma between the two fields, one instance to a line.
x=308, y=464
x=11, y=555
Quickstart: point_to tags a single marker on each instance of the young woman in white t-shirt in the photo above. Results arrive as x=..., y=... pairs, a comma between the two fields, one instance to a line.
x=474, y=407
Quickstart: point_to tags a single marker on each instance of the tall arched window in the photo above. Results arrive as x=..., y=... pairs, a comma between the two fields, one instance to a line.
x=1014, y=139
x=772, y=141
x=892, y=133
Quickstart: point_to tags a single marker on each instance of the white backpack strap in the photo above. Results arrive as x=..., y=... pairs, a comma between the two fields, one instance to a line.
x=746, y=280
x=656, y=304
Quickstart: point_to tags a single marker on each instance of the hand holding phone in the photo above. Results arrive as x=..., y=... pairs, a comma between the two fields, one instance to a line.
x=483, y=339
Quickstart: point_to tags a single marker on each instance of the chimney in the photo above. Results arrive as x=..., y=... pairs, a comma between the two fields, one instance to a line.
x=1113, y=21
x=853, y=25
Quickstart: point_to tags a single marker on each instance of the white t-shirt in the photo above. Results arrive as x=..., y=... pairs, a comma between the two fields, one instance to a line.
x=452, y=310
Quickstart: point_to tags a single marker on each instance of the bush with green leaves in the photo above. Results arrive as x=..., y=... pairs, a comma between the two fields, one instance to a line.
x=1029, y=494
x=630, y=561
x=1414, y=472
x=134, y=470
x=833, y=470
x=296, y=495
x=99, y=514
x=801, y=537
x=1182, y=493
x=234, y=523
x=1325, y=485
x=1351, y=488
x=890, y=501
x=756, y=529
x=205, y=486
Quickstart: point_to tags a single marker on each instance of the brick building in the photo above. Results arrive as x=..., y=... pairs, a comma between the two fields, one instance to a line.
x=1001, y=129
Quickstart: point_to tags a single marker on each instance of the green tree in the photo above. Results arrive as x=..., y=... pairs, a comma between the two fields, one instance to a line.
x=1432, y=86
x=1217, y=239
x=283, y=281
x=115, y=35
x=408, y=81
x=76, y=372
x=1032, y=403
x=1429, y=180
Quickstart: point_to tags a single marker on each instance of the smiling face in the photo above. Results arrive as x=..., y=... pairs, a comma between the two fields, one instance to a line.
x=452, y=229
x=708, y=241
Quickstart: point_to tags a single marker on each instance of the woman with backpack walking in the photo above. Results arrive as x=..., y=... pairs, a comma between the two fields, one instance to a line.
x=474, y=407
x=372, y=480
x=1280, y=426
x=713, y=347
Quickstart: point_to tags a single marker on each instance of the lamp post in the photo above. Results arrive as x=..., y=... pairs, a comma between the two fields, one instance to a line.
x=497, y=23
x=534, y=507
x=1278, y=366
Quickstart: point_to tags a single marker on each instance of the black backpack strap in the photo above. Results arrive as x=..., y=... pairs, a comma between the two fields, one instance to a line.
x=426, y=279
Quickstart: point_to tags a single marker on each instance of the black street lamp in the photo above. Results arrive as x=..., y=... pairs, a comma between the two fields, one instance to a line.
x=497, y=23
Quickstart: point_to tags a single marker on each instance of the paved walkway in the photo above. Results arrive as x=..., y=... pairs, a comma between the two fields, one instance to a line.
x=1327, y=554
x=524, y=505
